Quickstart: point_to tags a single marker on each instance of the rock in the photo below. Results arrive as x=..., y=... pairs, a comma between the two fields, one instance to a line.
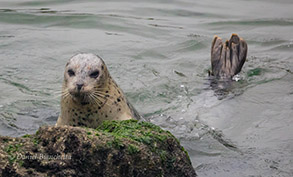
x=124, y=148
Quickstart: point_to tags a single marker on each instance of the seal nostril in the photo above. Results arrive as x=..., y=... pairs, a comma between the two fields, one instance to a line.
x=79, y=86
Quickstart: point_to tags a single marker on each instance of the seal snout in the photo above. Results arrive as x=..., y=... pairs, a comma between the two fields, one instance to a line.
x=80, y=93
x=79, y=86
x=81, y=97
x=79, y=90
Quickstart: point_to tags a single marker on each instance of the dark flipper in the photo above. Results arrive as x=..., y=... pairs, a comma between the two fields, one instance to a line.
x=228, y=58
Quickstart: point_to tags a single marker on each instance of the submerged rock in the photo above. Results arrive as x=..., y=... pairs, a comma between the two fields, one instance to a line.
x=124, y=148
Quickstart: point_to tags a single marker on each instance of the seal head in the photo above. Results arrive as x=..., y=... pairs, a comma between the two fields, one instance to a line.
x=90, y=95
x=84, y=74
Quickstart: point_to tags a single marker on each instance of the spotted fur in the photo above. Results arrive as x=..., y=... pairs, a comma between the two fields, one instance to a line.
x=89, y=98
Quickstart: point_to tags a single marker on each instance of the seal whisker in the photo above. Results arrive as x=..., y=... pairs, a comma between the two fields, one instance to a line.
x=99, y=98
x=66, y=97
x=110, y=98
x=57, y=93
x=57, y=96
x=106, y=100
x=92, y=100
x=61, y=93
x=103, y=94
x=65, y=94
x=95, y=100
x=100, y=91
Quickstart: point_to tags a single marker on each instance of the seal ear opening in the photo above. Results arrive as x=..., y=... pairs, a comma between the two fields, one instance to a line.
x=227, y=59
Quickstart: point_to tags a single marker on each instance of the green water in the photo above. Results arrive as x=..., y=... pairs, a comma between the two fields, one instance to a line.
x=159, y=54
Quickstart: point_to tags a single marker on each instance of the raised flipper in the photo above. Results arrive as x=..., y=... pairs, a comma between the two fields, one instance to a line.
x=227, y=58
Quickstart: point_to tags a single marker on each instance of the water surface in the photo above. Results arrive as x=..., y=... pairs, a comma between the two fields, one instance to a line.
x=159, y=53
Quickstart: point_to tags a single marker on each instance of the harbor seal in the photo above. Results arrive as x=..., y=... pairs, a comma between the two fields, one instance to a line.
x=227, y=58
x=90, y=95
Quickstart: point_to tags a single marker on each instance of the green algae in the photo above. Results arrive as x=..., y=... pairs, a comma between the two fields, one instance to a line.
x=89, y=133
x=13, y=148
x=116, y=143
x=26, y=136
x=182, y=148
x=137, y=132
x=12, y=151
x=142, y=132
x=132, y=149
x=254, y=72
x=35, y=141
x=5, y=140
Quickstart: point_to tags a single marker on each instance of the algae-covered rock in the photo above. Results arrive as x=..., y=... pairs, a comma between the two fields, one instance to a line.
x=125, y=148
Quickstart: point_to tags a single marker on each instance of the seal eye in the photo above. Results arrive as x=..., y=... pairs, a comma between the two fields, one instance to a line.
x=95, y=74
x=71, y=72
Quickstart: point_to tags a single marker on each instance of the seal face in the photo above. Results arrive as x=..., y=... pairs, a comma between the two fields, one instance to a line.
x=90, y=95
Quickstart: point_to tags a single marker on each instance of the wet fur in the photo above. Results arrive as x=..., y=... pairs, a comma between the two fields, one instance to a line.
x=227, y=58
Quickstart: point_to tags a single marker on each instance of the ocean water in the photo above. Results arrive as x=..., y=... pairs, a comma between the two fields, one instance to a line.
x=158, y=51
